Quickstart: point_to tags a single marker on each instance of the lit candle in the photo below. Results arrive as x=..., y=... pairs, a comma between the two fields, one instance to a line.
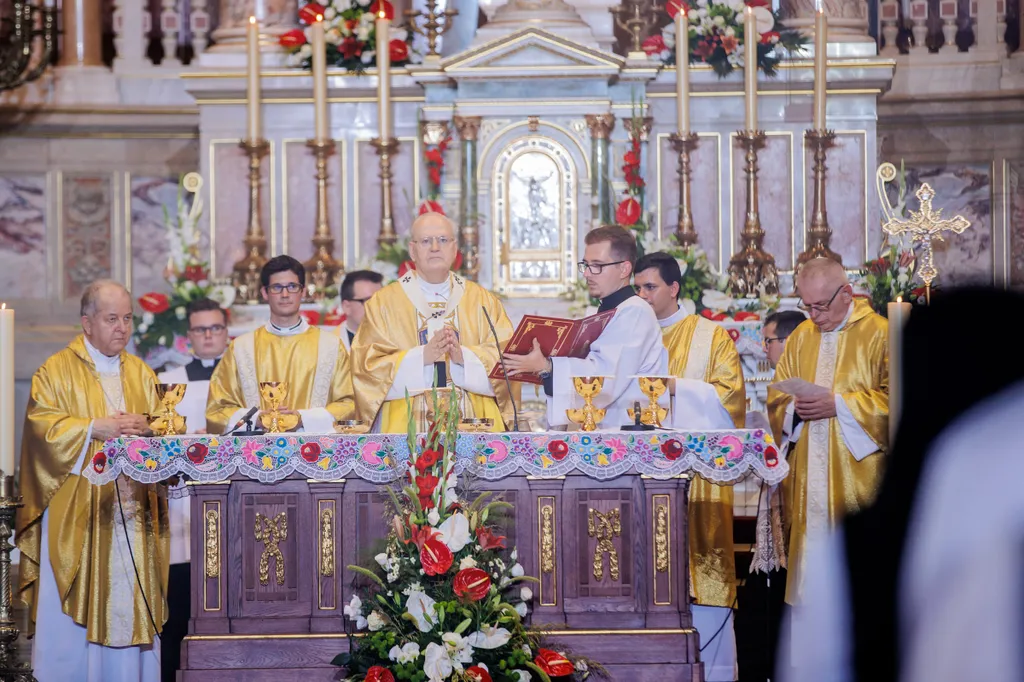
x=253, y=51
x=750, y=40
x=319, y=80
x=820, y=68
x=384, y=75
x=682, y=72
x=7, y=389
x=898, y=312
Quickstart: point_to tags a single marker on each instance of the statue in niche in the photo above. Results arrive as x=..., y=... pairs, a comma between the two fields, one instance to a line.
x=534, y=221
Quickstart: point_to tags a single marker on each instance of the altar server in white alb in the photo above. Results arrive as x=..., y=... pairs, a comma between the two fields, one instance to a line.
x=630, y=346
x=208, y=336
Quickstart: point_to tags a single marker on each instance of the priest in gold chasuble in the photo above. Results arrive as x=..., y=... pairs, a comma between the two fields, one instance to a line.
x=312, y=362
x=77, y=540
x=836, y=423
x=427, y=330
x=710, y=394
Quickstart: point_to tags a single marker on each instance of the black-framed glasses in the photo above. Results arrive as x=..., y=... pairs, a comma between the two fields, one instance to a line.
x=820, y=307
x=358, y=300
x=595, y=268
x=291, y=288
x=769, y=340
x=212, y=329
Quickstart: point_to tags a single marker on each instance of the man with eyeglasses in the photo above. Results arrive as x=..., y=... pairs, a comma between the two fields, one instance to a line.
x=836, y=429
x=630, y=345
x=311, y=362
x=208, y=337
x=356, y=289
x=427, y=330
x=776, y=329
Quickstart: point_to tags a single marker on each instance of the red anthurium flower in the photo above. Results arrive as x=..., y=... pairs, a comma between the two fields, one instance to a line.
x=746, y=315
x=435, y=557
x=488, y=540
x=431, y=206
x=478, y=674
x=310, y=452
x=759, y=3
x=389, y=9
x=628, y=212
x=553, y=663
x=399, y=50
x=293, y=38
x=379, y=674
x=312, y=316
x=196, y=452
x=471, y=584
x=434, y=156
x=457, y=263
x=673, y=7
x=672, y=449
x=334, y=318
x=558, y=449
x=310, y=11
x=654, y=45
x=155, y=303
x=406, y=267
x=350, y=47
x=708, y=313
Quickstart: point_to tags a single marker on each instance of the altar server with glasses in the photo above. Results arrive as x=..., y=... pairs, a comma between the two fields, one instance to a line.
x=429, y=329
x=311, y=362
x=630, y=345
x=356, y=289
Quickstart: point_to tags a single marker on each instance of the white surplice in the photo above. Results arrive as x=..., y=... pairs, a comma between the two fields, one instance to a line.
x=631, y=345
x=60, y=650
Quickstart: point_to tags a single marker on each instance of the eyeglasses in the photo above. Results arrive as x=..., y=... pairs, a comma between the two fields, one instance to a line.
x=358, y=300
x=595, y=268
x=291, y=288
x=772, y=339
x=820, y=307
x=426, y=242
x=212, y=329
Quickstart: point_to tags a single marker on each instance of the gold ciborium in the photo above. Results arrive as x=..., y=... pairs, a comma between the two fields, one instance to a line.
x=351, y=427
x=273, y=394
x=167, y=421
x=654, y=414
x=588, y=416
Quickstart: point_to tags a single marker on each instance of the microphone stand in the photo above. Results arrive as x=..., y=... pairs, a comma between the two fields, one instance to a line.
x=504, y=371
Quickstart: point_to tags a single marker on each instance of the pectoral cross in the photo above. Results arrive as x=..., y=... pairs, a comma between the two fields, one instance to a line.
x=925, y=227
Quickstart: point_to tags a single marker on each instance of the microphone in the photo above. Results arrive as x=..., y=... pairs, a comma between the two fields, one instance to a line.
x=504, y=370
x=246, y=418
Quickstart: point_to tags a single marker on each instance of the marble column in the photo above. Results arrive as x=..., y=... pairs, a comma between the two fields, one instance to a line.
x=847, y=19
x=468, y=128
x=82, y=33
x=601, y=125
x=275, y=17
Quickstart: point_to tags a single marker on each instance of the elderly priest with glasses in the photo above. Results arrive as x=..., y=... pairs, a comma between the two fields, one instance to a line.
x=830, y=405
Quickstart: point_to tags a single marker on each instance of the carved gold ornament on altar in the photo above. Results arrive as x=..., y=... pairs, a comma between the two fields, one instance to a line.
x=271, y=533
x=924, y=227
x=605, y=527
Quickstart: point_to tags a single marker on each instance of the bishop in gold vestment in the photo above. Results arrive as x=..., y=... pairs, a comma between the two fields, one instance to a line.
x=835, y=436
x=92, y=623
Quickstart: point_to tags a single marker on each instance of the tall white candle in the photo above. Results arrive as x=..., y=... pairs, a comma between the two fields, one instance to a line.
x=820, y=68
x=253, y=60
x=7, y=389
x=750, y=39
x=682, y=73
x=898, y=313
x=319, y=80
x=384, y=75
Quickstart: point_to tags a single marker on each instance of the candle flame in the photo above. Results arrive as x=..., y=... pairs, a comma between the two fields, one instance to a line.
x=319, y=18
x=3, y=306
x=252, y=20
x=381, y=14
x=899, y=299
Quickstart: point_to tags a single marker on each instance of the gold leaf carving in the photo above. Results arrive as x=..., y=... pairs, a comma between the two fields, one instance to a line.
x=604, y=527
x=270, y=533
x=547, y=539
x=327, y=543
x=212, y=543
x=661, y=531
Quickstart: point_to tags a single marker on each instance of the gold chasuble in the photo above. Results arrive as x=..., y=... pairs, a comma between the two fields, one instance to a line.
x=86, y=532
x=828, y=477
x=700, y=349
x=394, y=324
x=312, y=362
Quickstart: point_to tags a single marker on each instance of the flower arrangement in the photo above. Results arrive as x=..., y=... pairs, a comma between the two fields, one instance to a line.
x=716, y=35
x=630, y=211
x=159, y=335
x=446, y=602
x=433, y=156
x=350, y=35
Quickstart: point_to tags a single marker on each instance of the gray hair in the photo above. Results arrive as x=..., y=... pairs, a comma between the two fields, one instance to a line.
x=91, y=295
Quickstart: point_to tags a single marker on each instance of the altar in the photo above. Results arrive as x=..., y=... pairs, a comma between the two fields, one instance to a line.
x=600, y=519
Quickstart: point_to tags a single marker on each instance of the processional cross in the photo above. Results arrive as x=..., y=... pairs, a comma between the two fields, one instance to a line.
x=925, y=227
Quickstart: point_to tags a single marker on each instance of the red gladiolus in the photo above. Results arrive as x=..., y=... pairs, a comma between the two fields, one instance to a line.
x=553, y=663
x=431, y=206
x=434, y=156
x=405, y=267
x=488, y=540
x=628, y=212
x=427, y=459
x=155, y=303
x=673, y=7
x=471, y=584
x=434, y=173
x=389, y=9
x=478, y=674
x=292, y=39
x=435, y=557
x=310, y=11
x=379, y=674
x=426, y=485
x=399, y=50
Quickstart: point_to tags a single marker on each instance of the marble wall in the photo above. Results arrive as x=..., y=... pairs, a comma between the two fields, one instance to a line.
x=152, y=198
x=23, y=250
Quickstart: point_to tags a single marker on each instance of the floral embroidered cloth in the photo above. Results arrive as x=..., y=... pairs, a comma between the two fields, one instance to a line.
x=719, y=456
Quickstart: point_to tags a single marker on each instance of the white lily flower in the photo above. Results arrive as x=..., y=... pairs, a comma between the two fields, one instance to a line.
x=514, y=556
x=383, y=560
x=409, y=652
x=354, y=611
x=526, y=594
x=454, y=532
x=489, y=638
x=433, y=518
x=459, y=649
x=717, y=300
x=517, y=571
x=375, y=621
x=436, y=663
x=521, y=609
x=524, y=676
x=421, y=608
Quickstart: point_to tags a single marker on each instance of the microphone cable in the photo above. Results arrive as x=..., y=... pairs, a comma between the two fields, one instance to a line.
x=131, y=554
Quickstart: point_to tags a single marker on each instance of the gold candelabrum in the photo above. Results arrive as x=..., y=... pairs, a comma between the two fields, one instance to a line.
x=819, y=236
x=685, y=144
x=654, y=414
x=752, y=269
x=636, y=17
x=20, y=60
x=246, y=272
x=11, y=670
x=273, y=395
x=385, y=150
x=167, y=421
x=322, y=270
x=588, y=416
x=433, y=27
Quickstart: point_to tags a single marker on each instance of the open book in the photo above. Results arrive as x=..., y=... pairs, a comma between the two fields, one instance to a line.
x=558, y=338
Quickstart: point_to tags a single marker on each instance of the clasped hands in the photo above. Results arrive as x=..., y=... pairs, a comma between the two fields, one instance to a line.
x=444, y=342
x=120, y=424
x=819, y=406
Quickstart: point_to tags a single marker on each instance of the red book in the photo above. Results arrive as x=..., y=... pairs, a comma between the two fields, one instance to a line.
x=558, y=338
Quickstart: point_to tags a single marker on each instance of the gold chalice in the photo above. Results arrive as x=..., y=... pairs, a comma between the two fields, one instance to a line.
x=476, y=424
x=273, y=394
x=351, y=427
x=588, y=416
x=436, y=404
x=654, y=414
x=167, y=421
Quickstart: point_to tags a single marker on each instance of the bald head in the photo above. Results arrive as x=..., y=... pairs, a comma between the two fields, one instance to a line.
x=824, y=269
x=432, y=246
x=432, y=222
x=99, y=289
x=825, y=292
x=107, y=316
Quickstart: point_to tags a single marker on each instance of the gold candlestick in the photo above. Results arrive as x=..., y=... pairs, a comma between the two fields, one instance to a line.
x=819, y=235
x=434, y=26
x=246, y=272
x=685, y=144
x=752, y=266
x=10, y=667
x=385, y=150
x=636, y=17
x=322, y=270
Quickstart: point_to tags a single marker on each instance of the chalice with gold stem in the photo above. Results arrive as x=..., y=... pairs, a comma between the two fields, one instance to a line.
x=654, y=414
x=167, y=421
x=273, y=395
x=588, y=416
